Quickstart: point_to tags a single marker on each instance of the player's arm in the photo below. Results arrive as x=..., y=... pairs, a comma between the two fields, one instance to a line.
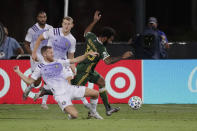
x=83, y=57
x=97, y=17
x=37, y=44
x=110, y=60
x=27, y=47
x=26, y=79
x=28, y=39
x=72, y=66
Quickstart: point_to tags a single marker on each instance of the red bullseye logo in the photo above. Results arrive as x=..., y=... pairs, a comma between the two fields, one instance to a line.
x=122, y=80
x=1, y=83
x=5, y=85
x=24, y=85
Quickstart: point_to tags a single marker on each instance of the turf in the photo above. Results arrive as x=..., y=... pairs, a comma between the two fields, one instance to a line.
x=148, y=118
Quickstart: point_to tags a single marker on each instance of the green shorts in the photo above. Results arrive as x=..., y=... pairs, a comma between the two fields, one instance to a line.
x=83, y=78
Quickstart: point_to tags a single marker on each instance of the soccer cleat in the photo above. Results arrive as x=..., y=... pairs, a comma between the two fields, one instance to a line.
x=44, y=106
x=112, y=110
x=95, y=115
x=26, y=93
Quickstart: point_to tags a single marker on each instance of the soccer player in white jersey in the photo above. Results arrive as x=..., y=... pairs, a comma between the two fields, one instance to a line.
x=53, y=73
x=62, y=42
x=33, y=33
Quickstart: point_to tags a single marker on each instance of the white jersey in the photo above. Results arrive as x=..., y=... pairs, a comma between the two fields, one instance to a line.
x=54, y=75
x=61, y=44
x=32, y=35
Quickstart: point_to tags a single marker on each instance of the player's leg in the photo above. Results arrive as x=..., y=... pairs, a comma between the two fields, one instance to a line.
x=93, y=102
x=33, y=85
x=71, y=110
x=82, y=91
x=28, y=89
x=44, y=99
x=97, y=79
x=65, y=103
x=81, y=79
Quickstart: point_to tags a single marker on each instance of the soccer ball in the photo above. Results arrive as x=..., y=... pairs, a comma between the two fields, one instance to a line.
x=135, y=102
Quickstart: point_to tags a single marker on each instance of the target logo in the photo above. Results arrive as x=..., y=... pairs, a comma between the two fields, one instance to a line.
x=6, y=82
x=24, y=85
x=123, y=81
x=193, y=80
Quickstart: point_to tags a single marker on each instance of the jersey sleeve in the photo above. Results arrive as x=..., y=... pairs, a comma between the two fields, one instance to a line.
x=90, y=35
x=104, y=54
x=37, y=73
x=73, y=46
x=29, y=35
x=47, y=34
x=65, y=63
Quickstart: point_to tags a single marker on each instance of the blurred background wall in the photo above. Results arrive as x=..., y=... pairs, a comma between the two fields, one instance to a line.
x=176, y=18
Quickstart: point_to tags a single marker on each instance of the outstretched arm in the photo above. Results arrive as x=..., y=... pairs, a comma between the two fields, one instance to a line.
x=110, y=60
x=83, y=57
x=97, y=17
x=22, y=76
x=38, y=42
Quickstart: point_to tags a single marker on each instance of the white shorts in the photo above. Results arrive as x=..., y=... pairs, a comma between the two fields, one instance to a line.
x=73, y=92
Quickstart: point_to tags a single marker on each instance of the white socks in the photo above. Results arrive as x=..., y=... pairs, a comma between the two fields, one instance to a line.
x=85, y=102
x=93, y=103
x=44, y=99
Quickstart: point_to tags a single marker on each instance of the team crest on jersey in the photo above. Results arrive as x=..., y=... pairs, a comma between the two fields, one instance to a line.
x=66, y=43
x=56, y=66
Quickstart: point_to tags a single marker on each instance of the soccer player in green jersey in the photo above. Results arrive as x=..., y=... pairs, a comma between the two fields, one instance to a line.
x=85, y=70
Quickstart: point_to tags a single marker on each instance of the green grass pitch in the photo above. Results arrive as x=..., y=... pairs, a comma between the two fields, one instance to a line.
x=149, y=118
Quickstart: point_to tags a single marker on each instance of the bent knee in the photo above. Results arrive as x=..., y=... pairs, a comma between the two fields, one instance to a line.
x=74, y=115
x=96, y=94
x=101, y=82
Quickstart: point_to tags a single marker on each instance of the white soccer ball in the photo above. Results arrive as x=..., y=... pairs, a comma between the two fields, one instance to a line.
x=135, y=102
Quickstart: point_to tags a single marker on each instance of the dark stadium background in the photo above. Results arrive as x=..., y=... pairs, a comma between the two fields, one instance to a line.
x=178, y=19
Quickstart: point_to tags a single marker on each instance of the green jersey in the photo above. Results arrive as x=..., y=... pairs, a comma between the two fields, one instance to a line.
x=93, y=44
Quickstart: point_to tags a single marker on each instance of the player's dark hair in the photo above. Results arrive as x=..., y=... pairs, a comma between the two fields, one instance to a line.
x=107, y=32
x=40, y=12
x=44, y=48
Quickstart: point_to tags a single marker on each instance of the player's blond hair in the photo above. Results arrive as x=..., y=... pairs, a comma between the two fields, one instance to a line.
x=68, y=18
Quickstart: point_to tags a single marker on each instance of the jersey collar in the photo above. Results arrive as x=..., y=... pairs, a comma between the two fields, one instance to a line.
x=99, y=41
x=45, y=27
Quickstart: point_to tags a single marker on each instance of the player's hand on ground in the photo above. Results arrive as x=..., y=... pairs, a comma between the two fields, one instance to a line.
x=127, y=55
x=16, y=68
x=97, y=16
x=92, y=53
